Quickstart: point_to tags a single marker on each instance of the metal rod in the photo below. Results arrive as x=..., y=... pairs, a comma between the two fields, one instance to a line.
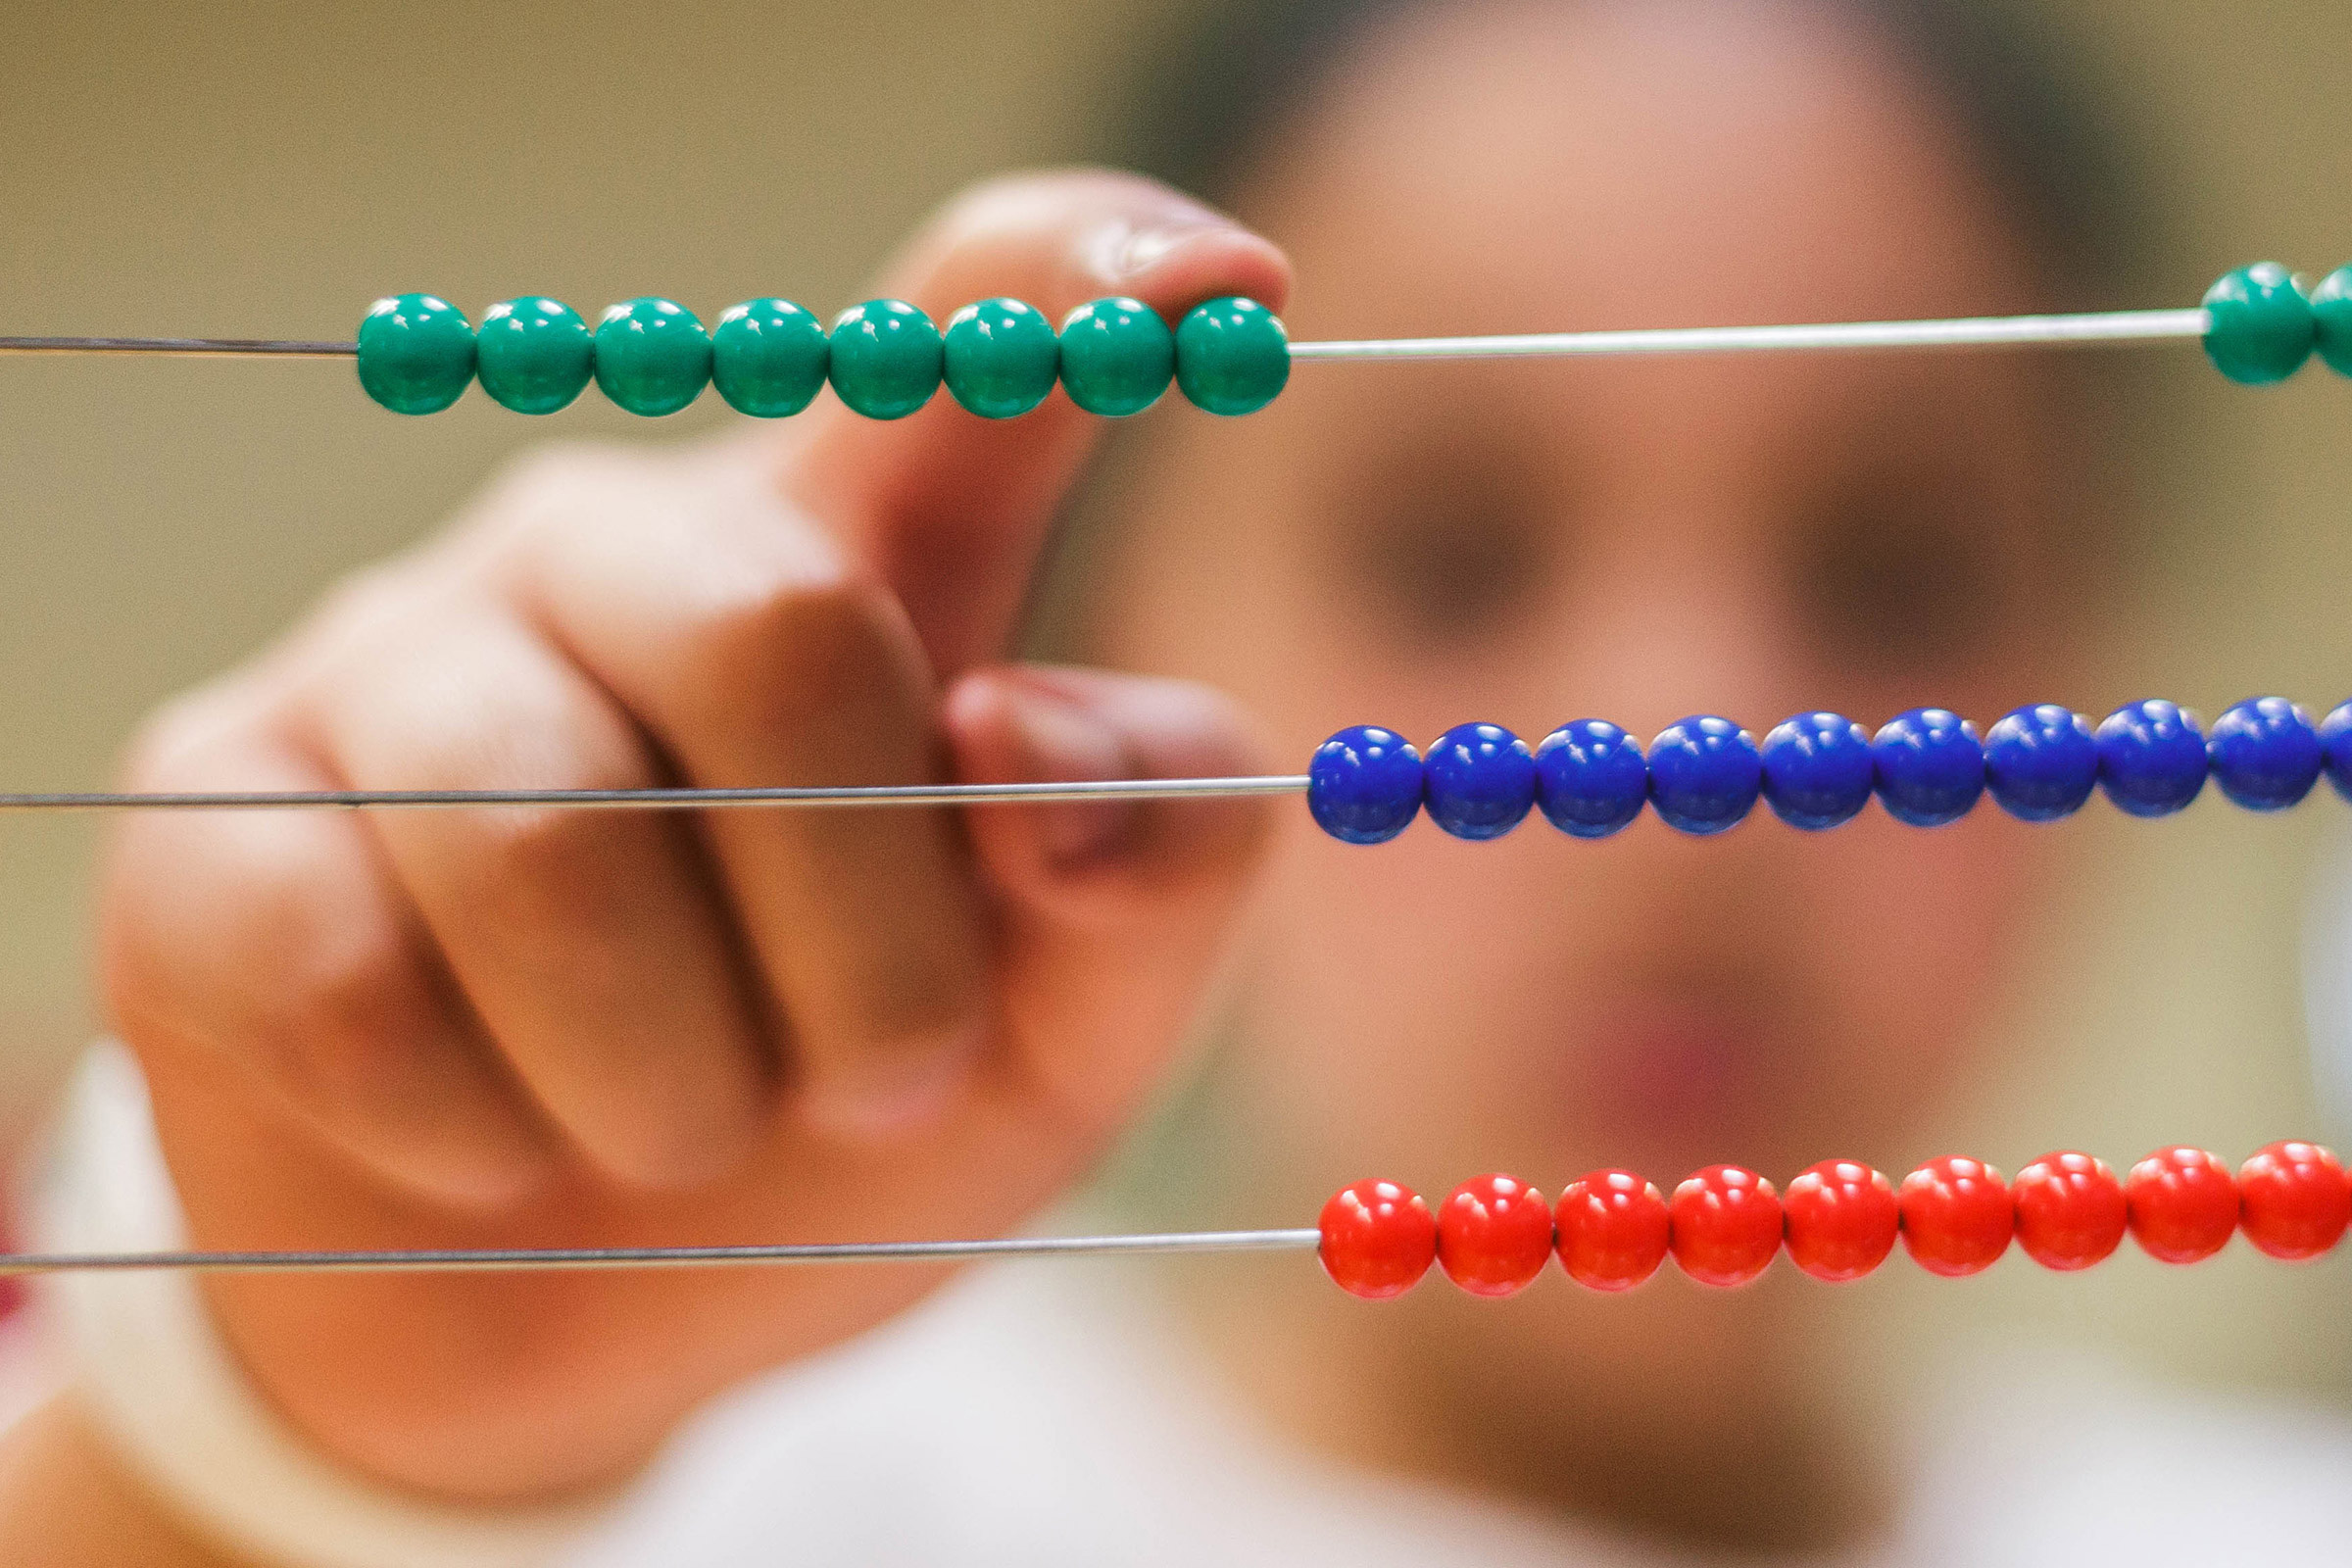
x=1984, y=331
x=456, y=1260
x=1127, y=789
x=214, y=348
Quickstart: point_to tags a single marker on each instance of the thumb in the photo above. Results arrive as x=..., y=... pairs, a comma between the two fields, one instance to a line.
x=1115, y=912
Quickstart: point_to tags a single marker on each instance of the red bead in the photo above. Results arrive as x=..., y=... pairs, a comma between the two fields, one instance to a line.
x=1957, y=1216
x=1613, y=1230
x=1842, y=1218
x=1727, y=1225
x=1493, y=1235
x=2183, y=1204
x=1378, y=1239
x=2070, y=1210
x=2295, y=1200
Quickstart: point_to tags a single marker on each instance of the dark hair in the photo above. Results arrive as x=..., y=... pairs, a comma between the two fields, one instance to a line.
x=1215, y=98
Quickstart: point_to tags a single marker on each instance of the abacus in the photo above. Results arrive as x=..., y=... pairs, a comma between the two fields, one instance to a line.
x=416, y=354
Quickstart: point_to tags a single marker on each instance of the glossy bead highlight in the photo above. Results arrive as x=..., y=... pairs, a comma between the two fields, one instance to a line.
x=1233, y=356
x=1840, y=1218
x=534, y=354
x=1001, y=357
x=1590, y=779
x=886, y=359
x=1378, y=1239
x=1493, y=1235
x=1727, y=1225
x=1479, y=781
x=1929, y=766
x=1613, y=1230
x=2262, y=327
x=2264, y=754
x=2151, y=757
x=2182, y=1204
x=2293, y=1200
x=768, y=358
x=2331, y=319
x=1817, y=770
x=2040, y=762
x=1957, y=1216
x=653, y=357
x=1117, y=357
x=1364, y=785
x=415, y=353
x=1704, y=774
x=2071, y=1211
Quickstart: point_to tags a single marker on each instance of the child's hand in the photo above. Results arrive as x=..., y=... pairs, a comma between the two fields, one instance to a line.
x=529, y=1028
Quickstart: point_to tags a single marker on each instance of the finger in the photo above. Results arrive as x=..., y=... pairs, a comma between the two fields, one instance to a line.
x=1116, y=911
x=270, y=949
x=591, y=945
x=949, y=509
x=735, y=633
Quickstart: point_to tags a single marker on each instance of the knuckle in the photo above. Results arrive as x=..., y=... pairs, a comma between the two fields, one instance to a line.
x=550, y=488
x=812, y=641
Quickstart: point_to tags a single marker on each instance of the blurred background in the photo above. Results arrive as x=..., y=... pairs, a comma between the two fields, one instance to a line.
x=268, y=169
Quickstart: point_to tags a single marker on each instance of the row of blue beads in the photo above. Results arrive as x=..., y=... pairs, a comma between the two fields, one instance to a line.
x=2261, y=325
x=1926, y=768
x=768, y=358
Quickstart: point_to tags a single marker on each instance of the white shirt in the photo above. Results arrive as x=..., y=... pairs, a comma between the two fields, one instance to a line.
x=1035, y=1415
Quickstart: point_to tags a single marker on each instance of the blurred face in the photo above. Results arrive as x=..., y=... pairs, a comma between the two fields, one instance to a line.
x=1418, y=546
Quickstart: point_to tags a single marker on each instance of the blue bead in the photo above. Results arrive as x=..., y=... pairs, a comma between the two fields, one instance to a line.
x=1363, y=785
x=1590, y=779
x=2151, y=757
x=2335, y=748
x=1704, y=774
x=2040, y=762
x=1930, y=766
x=1817, y=770
x=1480, y=781
x=2263, y=754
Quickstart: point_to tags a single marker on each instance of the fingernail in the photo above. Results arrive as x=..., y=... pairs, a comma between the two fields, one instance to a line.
x=901, y=1094
x=1065, y=740
x=1140, y=250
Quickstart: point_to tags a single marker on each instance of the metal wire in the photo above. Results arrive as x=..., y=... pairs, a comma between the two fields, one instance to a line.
x=1984, y=331
x=214, y=348
x=458, y=1260
x=1124, y=789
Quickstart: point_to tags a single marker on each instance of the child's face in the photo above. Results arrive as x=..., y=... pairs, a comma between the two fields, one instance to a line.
x=1526, y=543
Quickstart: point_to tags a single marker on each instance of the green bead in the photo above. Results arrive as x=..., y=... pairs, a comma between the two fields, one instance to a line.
x=1233, y=356
x=887, y=358
x=534, y=354
x=1001, y=357
x=1117, y=357
x=2331, y=319
x=652, y=356
x=415, y=353
x=768, y=358
x=2261, y=326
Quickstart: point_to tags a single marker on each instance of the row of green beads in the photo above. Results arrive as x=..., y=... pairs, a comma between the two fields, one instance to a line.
x=768, y=358
x=2264, y=326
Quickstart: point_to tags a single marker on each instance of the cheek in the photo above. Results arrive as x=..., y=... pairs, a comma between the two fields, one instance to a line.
x=1904, y=936
x=1427, y=1007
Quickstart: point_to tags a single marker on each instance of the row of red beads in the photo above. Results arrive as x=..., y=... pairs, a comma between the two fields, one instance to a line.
x=1839, y=1221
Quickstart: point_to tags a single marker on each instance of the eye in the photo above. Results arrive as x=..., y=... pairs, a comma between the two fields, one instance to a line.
x=1449, y=550
x=1901, y=570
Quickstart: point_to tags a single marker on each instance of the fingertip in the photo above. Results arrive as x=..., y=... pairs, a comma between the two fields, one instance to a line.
x=1175, y=266
x=1104, y=860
